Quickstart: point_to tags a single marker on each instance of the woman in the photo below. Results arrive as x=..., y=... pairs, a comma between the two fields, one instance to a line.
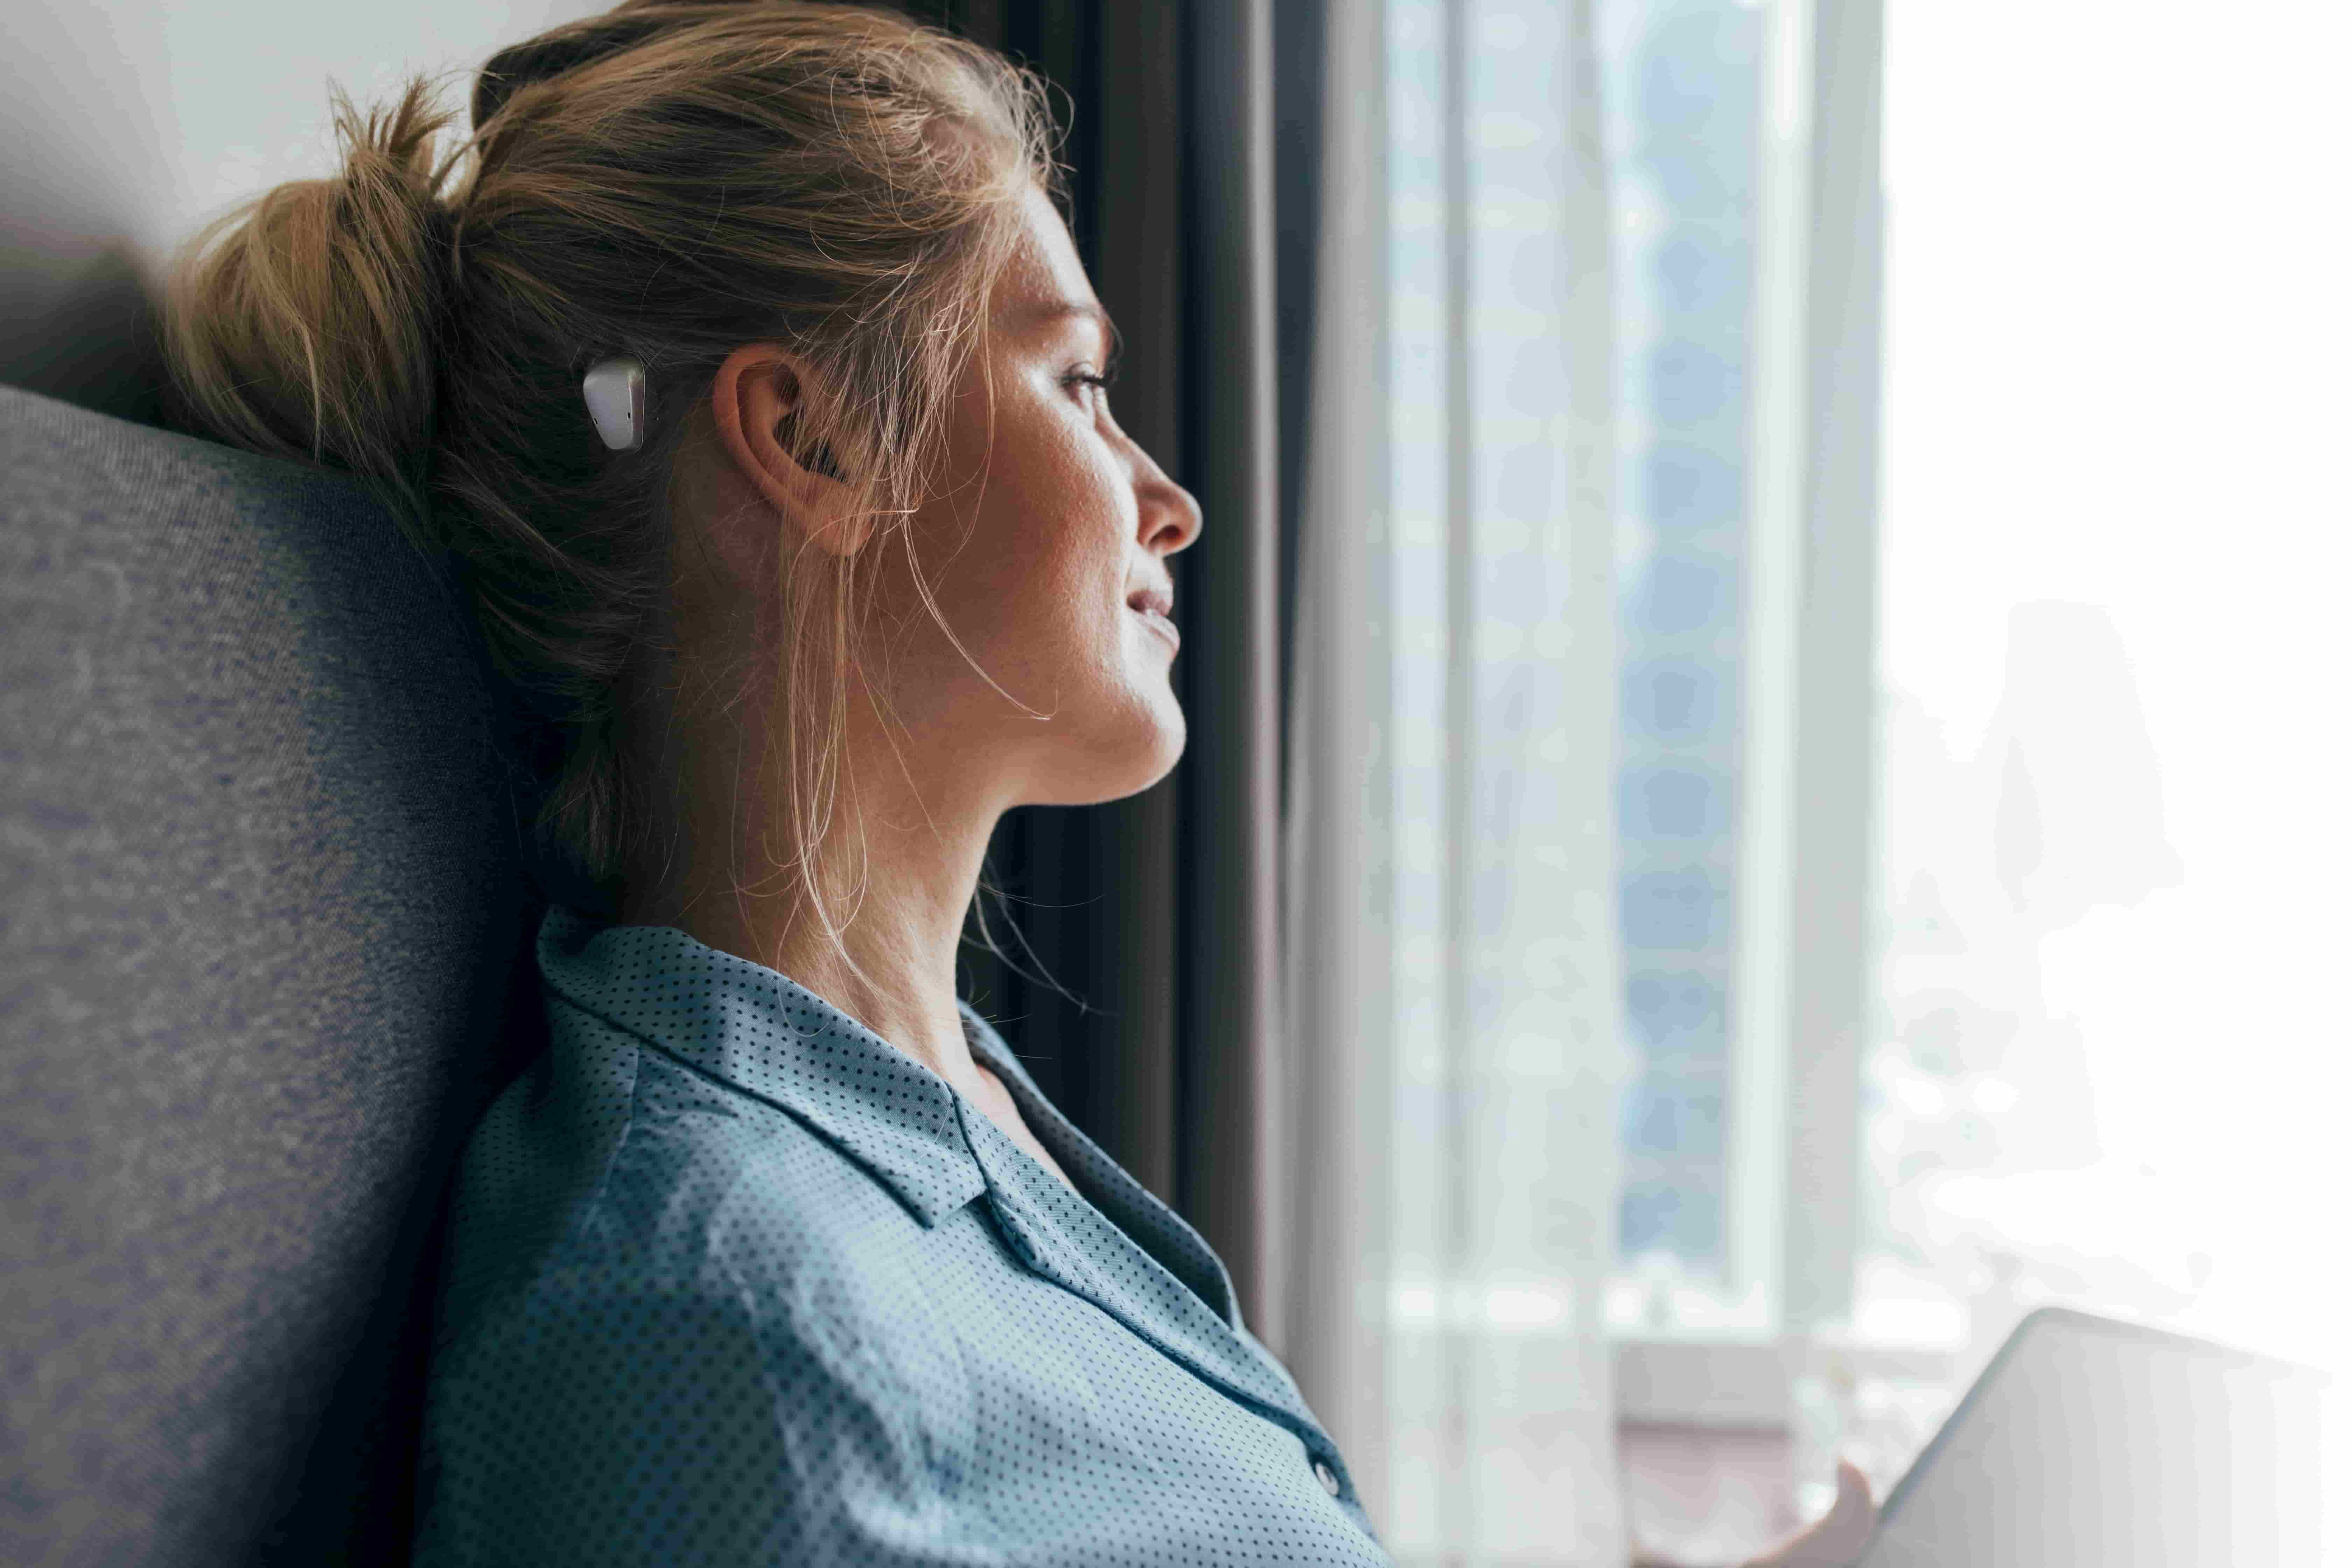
x=748, y=375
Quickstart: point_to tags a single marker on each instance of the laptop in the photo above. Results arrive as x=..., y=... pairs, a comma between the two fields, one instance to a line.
x=2090, y=1443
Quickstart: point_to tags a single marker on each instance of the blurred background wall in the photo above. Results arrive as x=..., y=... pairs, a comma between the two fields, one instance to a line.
x=128, y=122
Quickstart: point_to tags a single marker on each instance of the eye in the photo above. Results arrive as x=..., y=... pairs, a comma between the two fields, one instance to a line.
x=1097, y=382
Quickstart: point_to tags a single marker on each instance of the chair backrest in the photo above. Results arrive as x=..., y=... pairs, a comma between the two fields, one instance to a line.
x=261, y=913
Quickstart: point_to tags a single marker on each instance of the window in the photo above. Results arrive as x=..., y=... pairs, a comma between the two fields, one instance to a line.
x=1855, y=748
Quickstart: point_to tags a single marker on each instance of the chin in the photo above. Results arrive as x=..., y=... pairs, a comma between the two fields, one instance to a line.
x=1114, y=765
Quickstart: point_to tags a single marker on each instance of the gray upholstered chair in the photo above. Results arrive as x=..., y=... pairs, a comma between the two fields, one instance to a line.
x=260, y=914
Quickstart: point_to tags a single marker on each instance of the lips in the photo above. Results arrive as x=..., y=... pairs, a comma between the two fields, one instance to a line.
x=1155, y=605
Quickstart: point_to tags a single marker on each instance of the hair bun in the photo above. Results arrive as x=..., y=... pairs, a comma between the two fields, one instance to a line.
x=309, y=323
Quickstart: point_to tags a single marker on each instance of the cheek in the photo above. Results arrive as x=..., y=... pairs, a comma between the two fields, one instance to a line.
x=1055, y=547
x=1031, y=572
x=1061, y=613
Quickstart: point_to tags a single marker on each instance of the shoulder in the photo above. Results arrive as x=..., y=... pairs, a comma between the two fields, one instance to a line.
x=721, y=1305
x=611, y=1167
x=713, y=1187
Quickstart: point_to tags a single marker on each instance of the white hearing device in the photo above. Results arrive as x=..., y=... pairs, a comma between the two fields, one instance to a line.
x=615, y=391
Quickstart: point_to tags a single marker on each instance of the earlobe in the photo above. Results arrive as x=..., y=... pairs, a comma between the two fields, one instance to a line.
x=767, y=408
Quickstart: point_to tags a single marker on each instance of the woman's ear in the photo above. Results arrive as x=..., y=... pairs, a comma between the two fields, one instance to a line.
x=770, y=411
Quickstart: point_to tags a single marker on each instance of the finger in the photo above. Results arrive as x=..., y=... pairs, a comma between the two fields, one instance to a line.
x=1845, y=1530
x=1838, y=1537
x=1852, y=1490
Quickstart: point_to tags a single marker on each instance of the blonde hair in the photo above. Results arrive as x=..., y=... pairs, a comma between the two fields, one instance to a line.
x=666, y=181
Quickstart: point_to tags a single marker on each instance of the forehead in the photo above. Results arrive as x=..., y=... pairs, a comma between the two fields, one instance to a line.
x=1043, y=276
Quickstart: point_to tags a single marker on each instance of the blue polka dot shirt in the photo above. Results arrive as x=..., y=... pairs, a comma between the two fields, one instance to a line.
x=730, y=1280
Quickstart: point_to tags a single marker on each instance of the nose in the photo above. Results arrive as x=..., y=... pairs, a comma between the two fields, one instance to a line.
x=1167, y=517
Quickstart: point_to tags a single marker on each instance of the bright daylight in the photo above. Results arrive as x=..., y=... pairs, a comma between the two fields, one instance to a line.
x=1176, y=784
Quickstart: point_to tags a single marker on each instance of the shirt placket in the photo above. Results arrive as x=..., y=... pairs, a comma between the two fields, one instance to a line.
x=1164, y=1312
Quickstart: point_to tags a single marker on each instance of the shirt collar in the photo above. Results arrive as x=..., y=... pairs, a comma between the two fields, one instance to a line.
x=760, y=1032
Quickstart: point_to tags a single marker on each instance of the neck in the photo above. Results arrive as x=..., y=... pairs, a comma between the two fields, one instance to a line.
x=893, y=967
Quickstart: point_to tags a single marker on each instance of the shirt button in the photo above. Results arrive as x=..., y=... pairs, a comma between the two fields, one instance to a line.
x=1325, y=1474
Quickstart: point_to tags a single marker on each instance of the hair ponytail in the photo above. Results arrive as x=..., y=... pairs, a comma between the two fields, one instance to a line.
x=310, y=322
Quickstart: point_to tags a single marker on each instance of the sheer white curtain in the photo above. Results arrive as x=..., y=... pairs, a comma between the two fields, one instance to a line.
x=1452, y=964
x=1580, y=827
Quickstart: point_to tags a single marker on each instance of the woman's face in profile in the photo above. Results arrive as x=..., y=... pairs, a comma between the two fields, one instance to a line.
x=1047, y=549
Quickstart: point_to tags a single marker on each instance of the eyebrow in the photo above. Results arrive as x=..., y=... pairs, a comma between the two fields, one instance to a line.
x=1063, y=310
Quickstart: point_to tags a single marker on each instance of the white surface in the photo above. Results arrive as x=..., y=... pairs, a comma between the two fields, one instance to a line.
x=131, y=123
x=2092, y=1449
x=2116, y=558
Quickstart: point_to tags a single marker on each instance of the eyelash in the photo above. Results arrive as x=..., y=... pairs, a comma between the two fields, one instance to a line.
x=1099, y=381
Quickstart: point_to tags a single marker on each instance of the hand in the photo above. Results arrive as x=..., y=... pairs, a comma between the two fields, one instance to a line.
x=1836, y=1540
